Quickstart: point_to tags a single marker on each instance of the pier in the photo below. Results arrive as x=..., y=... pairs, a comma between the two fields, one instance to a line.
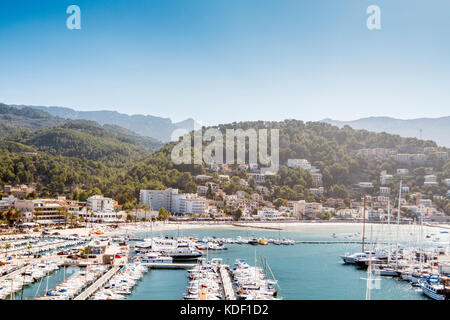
x=171, y=265
x=255, y=227
x=335, y=242
x=14, y=273
x=98, y=284
x=226, y=283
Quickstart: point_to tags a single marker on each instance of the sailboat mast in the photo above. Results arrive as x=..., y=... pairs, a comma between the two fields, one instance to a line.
x=369, y=269
x=389, y=229
x=151, y=232
x=398, y=218
x=364, y=223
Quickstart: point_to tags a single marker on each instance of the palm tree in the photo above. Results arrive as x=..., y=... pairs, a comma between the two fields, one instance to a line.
x=17, y=215
x=36, y=212
x=7, y=246
x=63, y=212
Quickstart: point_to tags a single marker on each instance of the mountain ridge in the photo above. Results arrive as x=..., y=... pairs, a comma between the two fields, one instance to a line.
x=159, y=128
x=436, y=129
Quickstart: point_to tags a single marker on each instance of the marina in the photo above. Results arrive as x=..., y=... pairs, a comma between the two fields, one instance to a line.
x=135, y=269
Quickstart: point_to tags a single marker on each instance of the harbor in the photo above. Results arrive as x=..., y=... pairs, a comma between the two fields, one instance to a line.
x=142, y=266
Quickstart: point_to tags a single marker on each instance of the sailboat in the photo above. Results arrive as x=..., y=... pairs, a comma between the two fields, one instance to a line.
x=351, y=258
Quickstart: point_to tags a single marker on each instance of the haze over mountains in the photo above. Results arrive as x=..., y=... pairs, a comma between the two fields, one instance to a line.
x=436, y=129
x=159, y=128
x=146, y=125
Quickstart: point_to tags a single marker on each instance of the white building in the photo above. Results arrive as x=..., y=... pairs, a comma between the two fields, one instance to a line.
x=172, y=201
x=102, y=216
x=157, y=199
x=405, y=189
x=347, y=213
x=366, y=185
x=303, y=163
x=188, y=203
x=403, y=172
x=430, y=180
x=385, y=178
x=99, y=203
x=385, y=191
x=269, y=213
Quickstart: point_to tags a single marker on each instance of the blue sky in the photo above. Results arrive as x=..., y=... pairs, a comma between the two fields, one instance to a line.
x=229, y=60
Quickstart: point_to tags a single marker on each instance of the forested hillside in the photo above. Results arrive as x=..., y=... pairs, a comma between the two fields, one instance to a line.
x=80, y=156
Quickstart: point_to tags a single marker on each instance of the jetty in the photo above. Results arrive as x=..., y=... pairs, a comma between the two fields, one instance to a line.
x=171, y=265
x=226, y=283
x=18, y=271
x=97, y=284
x=255, y=227
x=335, y=242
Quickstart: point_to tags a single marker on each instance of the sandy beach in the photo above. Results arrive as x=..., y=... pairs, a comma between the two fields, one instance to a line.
x=132, y=228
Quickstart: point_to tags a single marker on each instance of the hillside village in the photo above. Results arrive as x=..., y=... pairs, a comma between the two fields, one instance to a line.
x=21, y=205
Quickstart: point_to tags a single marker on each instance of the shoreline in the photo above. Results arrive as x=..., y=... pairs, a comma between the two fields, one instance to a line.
x=139, y=227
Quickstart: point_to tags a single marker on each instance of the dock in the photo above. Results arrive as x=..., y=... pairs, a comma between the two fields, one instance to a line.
x=255, y=227
x=226, y=283
x=98, y=284
x=171, y=265
x=14, y=273
x=334, y=242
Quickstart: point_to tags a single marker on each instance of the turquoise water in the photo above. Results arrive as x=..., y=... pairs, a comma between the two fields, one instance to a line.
x=304, y=271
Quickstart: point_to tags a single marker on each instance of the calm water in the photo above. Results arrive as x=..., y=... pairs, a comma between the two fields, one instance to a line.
x=304, y=271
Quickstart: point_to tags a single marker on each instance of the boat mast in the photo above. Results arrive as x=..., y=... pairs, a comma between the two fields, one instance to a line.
x=421, y=241
x=46, y=286
x=364, y=223
x=369, y=269
x=389, y=230
x=398, y=219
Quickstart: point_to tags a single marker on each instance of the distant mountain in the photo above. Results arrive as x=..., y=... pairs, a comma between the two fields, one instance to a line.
x=150, y=126
x=13, y=121
x=436, y=129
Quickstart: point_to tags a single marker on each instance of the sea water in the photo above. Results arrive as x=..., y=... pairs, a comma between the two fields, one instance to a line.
x=303, y=271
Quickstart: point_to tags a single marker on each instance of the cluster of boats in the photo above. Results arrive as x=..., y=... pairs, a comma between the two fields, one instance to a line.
x=418, y=267
x=122, y=283
x=35, y=246
x=252, y=282
x=264, y=241
x=166, y=250
x=204, y=282
x=76, y=283
x=13, y=283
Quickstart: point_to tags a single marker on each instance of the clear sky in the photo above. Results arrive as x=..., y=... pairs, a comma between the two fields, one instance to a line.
x=229, y=60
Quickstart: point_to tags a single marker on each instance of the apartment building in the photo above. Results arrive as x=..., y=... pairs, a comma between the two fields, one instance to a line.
x=98, y=203
x=157, y=199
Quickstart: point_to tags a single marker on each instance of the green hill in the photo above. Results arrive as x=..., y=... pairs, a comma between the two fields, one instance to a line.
x=85, y=140
x=12, y=119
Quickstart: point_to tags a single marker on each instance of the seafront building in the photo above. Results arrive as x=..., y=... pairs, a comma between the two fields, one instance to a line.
x=47, y=211
x=172, y=201
x=98, y=203
x=157, y=199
